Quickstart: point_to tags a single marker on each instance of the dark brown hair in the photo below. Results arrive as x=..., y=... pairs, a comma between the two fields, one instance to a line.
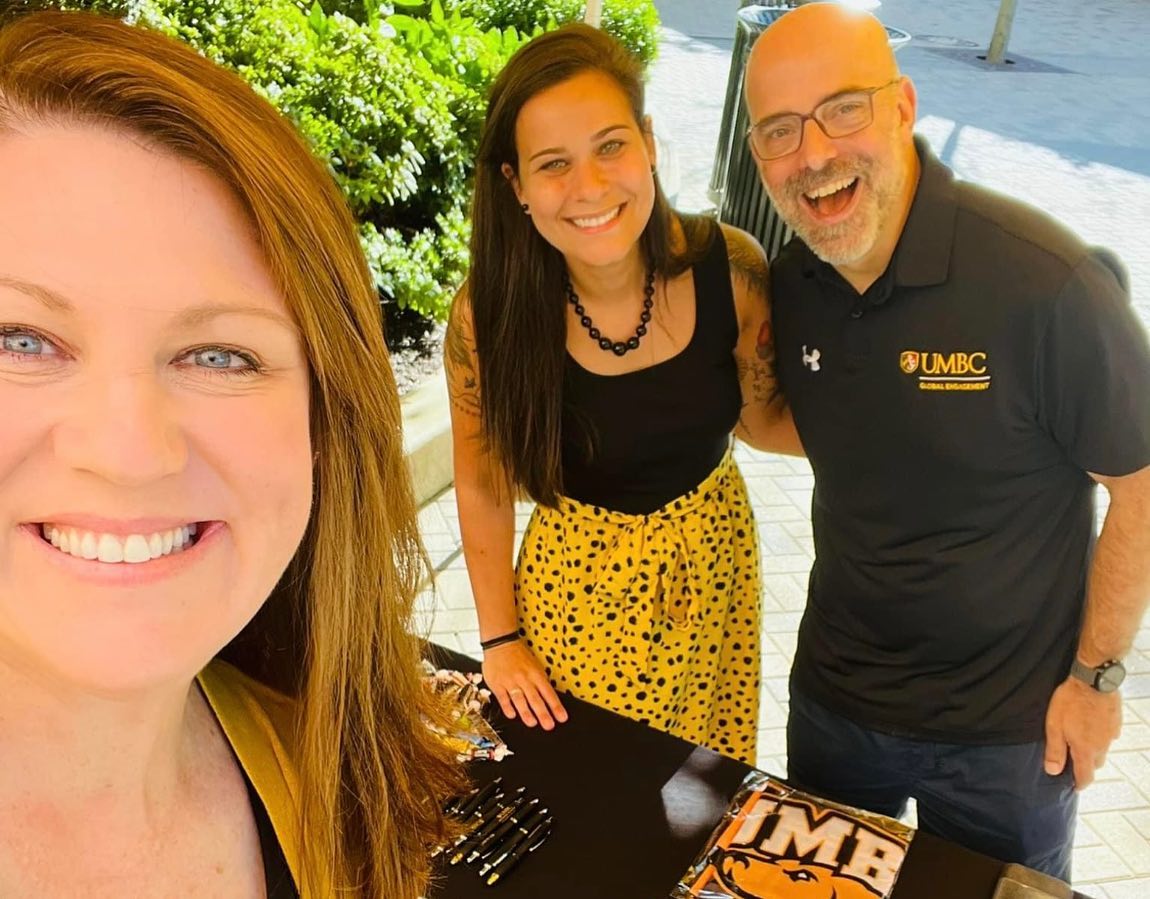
x=372, y=775
x=515, y=284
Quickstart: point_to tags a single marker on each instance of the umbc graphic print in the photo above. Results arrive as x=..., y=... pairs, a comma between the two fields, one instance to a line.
x=778, y=843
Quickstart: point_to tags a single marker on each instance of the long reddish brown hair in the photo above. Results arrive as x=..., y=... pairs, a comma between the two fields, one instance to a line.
x=336, y=631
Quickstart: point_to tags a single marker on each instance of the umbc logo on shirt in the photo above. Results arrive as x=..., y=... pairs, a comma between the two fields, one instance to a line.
x=947, y=371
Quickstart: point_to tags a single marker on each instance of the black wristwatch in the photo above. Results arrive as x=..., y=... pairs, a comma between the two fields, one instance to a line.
x=1106, y=678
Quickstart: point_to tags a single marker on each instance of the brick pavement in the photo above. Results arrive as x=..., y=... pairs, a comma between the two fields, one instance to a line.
x=1067, y=130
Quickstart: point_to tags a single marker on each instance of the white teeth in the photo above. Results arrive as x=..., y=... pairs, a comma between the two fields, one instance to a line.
x=598, y=220
x=827, y=189
x=110, y=548
x=136, y=549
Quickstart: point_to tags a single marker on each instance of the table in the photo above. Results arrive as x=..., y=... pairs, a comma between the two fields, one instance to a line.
x=633, y=806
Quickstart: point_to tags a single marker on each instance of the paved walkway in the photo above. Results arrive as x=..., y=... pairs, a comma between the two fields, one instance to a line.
x=1066, y=128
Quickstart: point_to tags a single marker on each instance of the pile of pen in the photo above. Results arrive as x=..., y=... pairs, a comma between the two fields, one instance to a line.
x=502, y=829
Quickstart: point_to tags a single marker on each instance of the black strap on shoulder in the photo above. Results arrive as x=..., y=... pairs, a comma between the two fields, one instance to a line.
x=277, y=874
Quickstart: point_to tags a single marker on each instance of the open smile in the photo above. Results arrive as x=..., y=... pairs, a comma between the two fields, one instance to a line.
x=115, y=549
x=128, y=556
x=598, y=222
x=834, y=201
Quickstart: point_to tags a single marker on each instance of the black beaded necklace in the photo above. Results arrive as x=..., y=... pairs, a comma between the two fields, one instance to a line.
x=618, y=347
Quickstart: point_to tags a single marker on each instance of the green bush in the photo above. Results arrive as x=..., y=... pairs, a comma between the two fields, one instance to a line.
x=398, y=129
x=634, y=22
x=391, y=94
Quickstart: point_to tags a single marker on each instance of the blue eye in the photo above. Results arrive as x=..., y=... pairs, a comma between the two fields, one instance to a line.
x=223, y=360
x=611, y=146
x=22, y=342
x=216, y=358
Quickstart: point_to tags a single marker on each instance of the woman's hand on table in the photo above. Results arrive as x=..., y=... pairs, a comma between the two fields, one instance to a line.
x=517, y=680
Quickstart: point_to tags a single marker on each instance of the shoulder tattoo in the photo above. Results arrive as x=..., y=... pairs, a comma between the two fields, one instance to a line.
x=748, y=264
x=459, y=355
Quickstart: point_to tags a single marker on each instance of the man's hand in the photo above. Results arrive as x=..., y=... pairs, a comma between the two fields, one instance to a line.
x=1083, y=723
x=518, y=682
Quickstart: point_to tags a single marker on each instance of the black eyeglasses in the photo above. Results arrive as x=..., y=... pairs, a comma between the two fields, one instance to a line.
x=838, y=116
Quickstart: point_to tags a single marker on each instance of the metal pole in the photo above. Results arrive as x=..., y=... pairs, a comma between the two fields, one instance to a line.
x=997, y=52
x=594, y=12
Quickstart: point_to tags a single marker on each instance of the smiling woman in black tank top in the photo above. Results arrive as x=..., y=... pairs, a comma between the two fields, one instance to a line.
x=600, y=356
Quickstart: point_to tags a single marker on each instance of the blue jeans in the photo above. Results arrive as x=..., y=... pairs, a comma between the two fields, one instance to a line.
x=996, y=800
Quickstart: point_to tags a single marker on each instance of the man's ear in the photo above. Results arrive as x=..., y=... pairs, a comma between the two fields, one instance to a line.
x=512, y=179
x=907, y=103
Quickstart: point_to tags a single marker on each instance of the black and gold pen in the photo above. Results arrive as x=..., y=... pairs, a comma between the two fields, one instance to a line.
x=481, y=796
x=489, y=822
x=533, y=841
x=517, y=837
x=491, y=840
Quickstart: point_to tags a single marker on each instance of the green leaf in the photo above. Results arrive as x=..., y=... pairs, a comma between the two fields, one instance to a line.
x=405, y=24
x=317, y=20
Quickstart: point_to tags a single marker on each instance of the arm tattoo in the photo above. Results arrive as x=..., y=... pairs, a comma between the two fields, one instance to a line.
x=765, y=344
x=459, y=354
x=748, y=265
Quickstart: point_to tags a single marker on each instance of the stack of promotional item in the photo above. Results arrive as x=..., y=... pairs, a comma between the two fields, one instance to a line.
x=501, y=828
x=470, y=735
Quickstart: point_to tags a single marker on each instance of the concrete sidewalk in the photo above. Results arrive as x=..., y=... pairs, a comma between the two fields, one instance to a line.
x=1066, y=128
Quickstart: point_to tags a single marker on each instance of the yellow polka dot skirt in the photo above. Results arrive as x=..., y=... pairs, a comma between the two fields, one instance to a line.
x=652, y=616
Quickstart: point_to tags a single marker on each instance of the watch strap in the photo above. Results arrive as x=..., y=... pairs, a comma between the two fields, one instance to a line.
x=1084, y=673
x=1093, y=676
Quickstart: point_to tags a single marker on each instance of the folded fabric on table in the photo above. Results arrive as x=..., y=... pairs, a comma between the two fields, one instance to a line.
x=775, y=842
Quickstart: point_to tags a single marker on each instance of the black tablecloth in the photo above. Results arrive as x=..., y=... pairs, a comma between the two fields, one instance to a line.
x=633, y=807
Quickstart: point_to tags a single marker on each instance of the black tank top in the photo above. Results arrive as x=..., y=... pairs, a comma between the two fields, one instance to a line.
x=278, y=881
x=633, y=442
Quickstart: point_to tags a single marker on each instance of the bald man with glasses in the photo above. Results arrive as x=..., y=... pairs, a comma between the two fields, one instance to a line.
x=962, y=371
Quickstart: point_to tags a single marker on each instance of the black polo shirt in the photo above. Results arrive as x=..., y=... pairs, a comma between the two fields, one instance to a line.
x=951, y=415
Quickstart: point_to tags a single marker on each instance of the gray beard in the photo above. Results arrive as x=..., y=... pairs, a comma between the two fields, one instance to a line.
x=848, y=241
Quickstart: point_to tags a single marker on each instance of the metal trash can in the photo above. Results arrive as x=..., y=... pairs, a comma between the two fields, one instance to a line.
x=735, y=188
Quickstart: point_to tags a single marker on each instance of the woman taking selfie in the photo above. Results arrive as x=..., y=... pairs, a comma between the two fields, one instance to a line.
x=599, y=357
x=191, y=363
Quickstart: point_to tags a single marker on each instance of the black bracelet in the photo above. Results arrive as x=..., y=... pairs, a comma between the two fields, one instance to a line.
x=499, y=641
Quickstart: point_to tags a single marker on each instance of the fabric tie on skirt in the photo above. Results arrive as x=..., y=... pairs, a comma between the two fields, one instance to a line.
x=653, y=616
x=656, y=536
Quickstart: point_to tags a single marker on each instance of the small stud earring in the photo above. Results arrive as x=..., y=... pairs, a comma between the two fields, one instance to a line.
x=526, y=209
